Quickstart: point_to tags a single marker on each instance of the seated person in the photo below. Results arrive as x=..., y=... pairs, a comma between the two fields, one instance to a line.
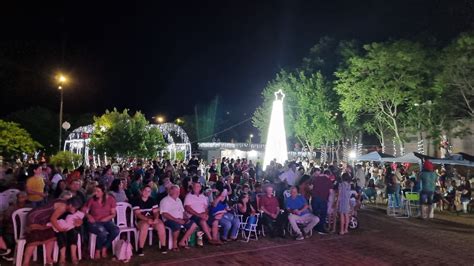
x=147, y=215
x=172, y=211
x=244, y=207
x=68, y=223
x=220, y=211
x=298, y=210
x=196, y=204
x=272, y=217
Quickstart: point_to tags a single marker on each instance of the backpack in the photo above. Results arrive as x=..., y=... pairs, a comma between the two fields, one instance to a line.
x=123, y=250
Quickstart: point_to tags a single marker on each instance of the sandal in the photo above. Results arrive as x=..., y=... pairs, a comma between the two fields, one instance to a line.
x=176, y=249
x=184, y=246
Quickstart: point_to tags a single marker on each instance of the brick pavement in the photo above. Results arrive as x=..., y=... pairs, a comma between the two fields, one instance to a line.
x=380, y=240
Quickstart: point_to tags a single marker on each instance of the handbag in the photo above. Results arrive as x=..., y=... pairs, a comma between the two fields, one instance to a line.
x=123, y=250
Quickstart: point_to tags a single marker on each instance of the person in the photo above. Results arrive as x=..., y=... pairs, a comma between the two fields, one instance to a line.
x=71, y=223
x=75, y=189
x=39, y=233
x=35, y=186
x=332, y=211
x=7, y=232
x=290, y=175
x=343, y=202
x=244, y=207
x=465, y=189
x=172, y=211
x=147, y=213
x=298, y=210
x=428, y=180
x=56, y=178
x=60, y=188
x=320, y=193
x=117, y=191
x=272, y=217
x=228, y=221
x=100, y=211
x=196, y=205
x=360, y=176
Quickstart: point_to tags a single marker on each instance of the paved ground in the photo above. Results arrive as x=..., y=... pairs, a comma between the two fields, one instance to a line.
x=380, y=240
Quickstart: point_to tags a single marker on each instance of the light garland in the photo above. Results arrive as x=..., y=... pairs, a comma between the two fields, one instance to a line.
x=79, y=139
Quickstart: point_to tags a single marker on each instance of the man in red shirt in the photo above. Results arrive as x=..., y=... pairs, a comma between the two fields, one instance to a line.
x=320, y=194
x=272, y=217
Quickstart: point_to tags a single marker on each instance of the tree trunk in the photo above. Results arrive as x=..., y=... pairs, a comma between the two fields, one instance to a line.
x=398, y=137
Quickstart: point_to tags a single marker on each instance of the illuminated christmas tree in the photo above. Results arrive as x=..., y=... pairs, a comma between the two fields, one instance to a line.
x=275, y=148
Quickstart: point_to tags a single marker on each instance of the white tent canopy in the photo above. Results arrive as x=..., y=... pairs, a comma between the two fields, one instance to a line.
x=374, y=156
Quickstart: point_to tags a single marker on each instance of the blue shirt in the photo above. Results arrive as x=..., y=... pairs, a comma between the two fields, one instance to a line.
x=296, y=203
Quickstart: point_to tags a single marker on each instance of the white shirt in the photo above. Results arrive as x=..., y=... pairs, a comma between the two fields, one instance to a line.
x=197, y=202
x=172, y=207
x=56, y=178
x=289, y=176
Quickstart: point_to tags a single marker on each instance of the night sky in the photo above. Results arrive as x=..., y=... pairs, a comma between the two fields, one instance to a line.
x=164, y=58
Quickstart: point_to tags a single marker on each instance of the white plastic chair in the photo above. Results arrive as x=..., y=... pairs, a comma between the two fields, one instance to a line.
x=19, y=224
x=125, y=221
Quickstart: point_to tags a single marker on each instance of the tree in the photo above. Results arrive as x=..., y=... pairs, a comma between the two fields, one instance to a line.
x=261, y=116
x=15, y=140
x=386, y=80
x=42, y=125
x=119, y=134
x=317, y=114
x=457, y=75
x=66, y=159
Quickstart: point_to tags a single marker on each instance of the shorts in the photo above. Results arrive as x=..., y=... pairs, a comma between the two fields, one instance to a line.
x=176, y=226
x=426, y=197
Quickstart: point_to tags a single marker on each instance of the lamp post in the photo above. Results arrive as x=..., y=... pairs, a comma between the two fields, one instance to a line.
x=250, y=138
x=62, y=80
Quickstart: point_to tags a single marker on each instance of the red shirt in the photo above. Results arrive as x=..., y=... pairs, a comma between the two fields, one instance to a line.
x=98, y=210
x=321, y=186
x=270, y=204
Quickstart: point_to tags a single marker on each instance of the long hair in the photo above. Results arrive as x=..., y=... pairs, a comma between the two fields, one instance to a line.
x=104, y=195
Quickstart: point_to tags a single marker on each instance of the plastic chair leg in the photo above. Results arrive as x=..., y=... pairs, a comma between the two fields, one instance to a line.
x=92, y=241
x=19, y=252
x=79, y=247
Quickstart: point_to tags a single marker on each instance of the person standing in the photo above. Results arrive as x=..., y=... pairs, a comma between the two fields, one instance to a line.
x=428, y=180
x=35, y=186
x=343, y=202
x=320, y=194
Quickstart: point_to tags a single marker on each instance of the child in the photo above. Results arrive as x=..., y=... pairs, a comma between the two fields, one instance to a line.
x=68, y=223
x=332, y=215
x=343, y=200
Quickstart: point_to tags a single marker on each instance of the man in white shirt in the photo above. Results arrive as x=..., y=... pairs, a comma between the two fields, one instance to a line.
x=196, y=205
x=172, y=211
x=289, y=175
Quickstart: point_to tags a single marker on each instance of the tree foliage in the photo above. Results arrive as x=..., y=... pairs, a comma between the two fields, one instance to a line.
x=385, y=81
x=66, y=159
x=120, y=134
x=15, y=140
x=457, y=75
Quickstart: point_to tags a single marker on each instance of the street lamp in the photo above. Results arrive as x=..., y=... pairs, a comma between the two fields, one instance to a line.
x=250, y=138
x=159, y=119
x=61, y=81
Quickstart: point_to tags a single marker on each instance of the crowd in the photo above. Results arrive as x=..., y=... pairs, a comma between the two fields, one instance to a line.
x=215, y=198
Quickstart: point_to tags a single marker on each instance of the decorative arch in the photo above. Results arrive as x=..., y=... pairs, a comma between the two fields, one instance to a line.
x=79, y=139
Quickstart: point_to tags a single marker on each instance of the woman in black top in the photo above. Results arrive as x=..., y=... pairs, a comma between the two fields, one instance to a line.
x=244, y=207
